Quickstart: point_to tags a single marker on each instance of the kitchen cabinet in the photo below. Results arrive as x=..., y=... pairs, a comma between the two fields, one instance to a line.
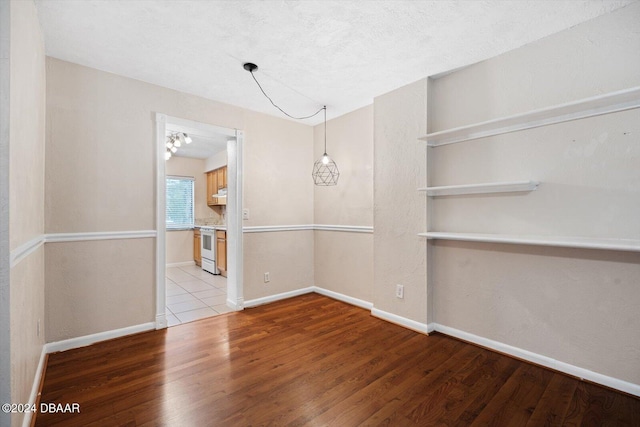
x=222, y=177
x=216, y=181
x=221, y=251
x=212, y=187
x=197, y=254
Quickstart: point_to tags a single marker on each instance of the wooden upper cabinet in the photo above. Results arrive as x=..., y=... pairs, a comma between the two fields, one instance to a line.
x=212, y=187
x=222, y=177
x=216, y=180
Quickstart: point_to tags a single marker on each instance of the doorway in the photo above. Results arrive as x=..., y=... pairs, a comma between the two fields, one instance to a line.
x=184, y=290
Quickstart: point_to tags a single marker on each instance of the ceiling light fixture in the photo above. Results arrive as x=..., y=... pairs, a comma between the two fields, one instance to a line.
x=325, y=171
x=174, y=142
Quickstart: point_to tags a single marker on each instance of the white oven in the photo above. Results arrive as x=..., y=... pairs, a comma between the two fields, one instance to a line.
x=208, y=250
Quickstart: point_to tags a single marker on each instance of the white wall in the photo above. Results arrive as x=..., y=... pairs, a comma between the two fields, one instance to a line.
x=87, y=109
x=576, y=306
x=399, y=212
x=26, y=196
x=344, y=260
x=278, y=190
x=216, y=161
x=5, y=249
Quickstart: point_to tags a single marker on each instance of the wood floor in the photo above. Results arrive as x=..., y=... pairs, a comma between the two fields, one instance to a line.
x=314, y=361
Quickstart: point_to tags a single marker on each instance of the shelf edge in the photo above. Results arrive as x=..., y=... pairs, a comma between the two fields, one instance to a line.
x=627, y=245
x=483, y=188
x=623, y=100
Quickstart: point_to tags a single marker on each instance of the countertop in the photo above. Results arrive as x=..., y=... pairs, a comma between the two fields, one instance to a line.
x=211, y=227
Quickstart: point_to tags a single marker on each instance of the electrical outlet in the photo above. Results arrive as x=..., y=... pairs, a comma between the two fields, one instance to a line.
x=400, y=291
x=245, y=214
x=266, y=277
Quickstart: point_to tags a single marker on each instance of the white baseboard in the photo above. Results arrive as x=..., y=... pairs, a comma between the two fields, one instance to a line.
x=277, y=297
x=35, y=388
x=83, y=341
x=402, y=321
x=236, y=305
x=344, y=298
x=539, y=359
x=161, y=321
x=181, y=264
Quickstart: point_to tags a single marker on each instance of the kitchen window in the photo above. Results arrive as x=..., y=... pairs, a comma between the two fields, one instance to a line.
x=179, y=202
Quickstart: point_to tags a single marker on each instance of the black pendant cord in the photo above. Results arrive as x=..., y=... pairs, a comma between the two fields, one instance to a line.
x=325, y=129
x=274, y=104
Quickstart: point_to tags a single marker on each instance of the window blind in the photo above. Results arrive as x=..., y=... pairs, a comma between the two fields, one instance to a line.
x=179, y=202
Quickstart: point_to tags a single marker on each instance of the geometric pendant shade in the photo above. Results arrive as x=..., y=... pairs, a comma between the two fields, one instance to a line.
x=325, y=172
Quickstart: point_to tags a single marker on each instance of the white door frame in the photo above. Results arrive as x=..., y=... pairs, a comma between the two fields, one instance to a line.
x=235, y=299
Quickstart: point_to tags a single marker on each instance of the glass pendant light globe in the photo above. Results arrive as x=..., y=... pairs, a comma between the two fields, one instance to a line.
x=167, y=155
x=174, y=149
x=176, y=142
x=187, y=138
x=169, y=144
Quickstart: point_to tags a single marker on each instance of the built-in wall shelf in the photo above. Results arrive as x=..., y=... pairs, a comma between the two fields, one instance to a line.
x=569, y=242
x=603, y=104
x=490, y=187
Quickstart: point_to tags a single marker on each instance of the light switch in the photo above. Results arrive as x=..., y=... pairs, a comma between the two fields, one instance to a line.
x=245, y=214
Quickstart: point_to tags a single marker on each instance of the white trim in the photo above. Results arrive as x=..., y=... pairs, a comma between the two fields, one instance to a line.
x=237, y=305
x=484, y=188
x=161, y=320
x=35, y=388
x=161, y=220
x=181, y=264
x=192, y=128
x=277, y=297
x=597, y=378
x=345, y=228
x=272, y=228
x=235, y=259
x=22, y=251
x=539, y=359
x=100, y=235
x=302, y=227
x=402, y=321
x=622, y=100
x=25, y=249
x=344, y=298
x=86, y=340
x=631, y=245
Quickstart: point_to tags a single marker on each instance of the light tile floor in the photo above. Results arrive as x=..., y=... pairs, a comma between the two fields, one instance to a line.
x=194, y=294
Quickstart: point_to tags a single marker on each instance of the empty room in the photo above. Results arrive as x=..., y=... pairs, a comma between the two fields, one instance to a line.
x=320, y=213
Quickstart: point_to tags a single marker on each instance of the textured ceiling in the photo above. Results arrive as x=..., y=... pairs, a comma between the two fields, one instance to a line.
x=310, y=53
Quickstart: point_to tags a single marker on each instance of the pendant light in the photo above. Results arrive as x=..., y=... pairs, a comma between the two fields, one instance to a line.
x=325, y=171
